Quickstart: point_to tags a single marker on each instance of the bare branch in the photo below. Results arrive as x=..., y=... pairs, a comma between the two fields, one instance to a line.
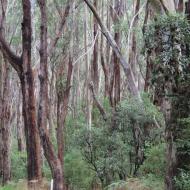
x=126, y=67
x=13, y=59
x=99, y=106
x=60, y=28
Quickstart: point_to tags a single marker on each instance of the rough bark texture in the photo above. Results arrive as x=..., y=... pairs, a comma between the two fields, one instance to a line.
x=29, y=108
x=49, y=152
x=5, y=127
x=5, y=109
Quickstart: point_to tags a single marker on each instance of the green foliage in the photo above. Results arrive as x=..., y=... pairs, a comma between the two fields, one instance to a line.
x=155, y=162
x=167, y=37
x=167, y=45
x=77, y=172
x=18, y=165
x=117, y=185
x=144, y=112
x=106, y=153
x=153, y=182
x=182, y=181
x=183, y=144
x=109, y=147
x=8, y=187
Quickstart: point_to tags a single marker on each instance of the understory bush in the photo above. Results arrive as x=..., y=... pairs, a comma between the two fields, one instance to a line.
x=77, y=173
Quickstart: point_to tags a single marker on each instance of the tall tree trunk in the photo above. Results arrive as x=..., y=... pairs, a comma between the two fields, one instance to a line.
x=24, y=69
x=5, y=109
x=29, y=107
x=115, y=87
x=88, y=97
x=132, y=45
x=49, y=151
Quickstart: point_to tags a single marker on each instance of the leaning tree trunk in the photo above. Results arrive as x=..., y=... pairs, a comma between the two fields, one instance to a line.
x=126, y=67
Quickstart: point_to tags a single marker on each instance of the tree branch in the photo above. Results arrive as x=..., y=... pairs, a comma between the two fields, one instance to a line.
x=13, y=59
x=127, y=68
x=97, y=103
x=60, y=28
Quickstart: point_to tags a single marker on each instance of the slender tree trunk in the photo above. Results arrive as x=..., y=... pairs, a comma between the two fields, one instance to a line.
x=133, y=47
x=117, y=15
x=94, y=68
x=62, y=107
x=20, y=137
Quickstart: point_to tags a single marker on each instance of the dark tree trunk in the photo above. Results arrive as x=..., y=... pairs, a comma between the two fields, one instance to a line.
x=115, y=82
x=50, y=154
x=94, y=69
x=29, y=108
x=24, y=69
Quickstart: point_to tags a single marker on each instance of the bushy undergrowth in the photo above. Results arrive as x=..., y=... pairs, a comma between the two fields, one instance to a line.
x=106, y=153
x=77, y=172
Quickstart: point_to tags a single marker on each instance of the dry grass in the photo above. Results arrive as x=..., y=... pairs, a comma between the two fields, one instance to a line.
x=23, y=185
x=131, y=184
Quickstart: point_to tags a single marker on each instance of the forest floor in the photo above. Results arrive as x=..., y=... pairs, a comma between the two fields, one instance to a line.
x=22, y=185
x=131, y=184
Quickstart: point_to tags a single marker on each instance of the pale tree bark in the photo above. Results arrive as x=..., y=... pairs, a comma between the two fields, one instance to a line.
x=127, y=68
x=103, y=58
x=88, y=99
x=133, y=59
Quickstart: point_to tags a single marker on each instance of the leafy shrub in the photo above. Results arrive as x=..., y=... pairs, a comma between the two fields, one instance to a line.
x=155, y=161
x=77, y=173
x=153, y=182
x=182, y=181
x=18, y=165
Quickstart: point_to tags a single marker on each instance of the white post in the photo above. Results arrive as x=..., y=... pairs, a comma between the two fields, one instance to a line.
x=51, y=187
